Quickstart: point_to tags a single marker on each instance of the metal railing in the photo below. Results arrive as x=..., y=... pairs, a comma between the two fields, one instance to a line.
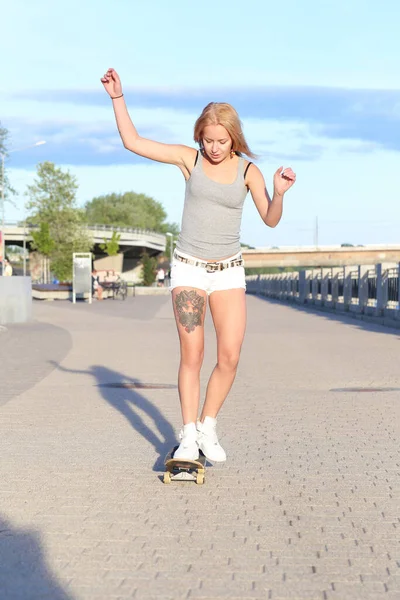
x=393, y=293
x=372, y=290
x=340, y=284
x=354, y=287
x=125, y=230
x=329, y=286
x=94, y=227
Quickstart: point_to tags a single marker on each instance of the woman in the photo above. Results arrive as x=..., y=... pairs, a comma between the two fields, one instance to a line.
x=207, y=261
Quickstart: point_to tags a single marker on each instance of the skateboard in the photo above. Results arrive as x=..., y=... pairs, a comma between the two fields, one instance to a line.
x=179, y=469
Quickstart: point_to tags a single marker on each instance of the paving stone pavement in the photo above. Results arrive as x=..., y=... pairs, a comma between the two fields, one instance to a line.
x=306, y=507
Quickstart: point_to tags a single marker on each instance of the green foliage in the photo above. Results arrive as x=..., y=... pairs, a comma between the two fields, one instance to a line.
x=149, y=264
x=52, y=191
x=111, y=246
x=53, y=207
x=169, y=248
x=42, y=240
x=126, y=210
x=171, y=228
x=14, y=249
x=61, y=259
x=4, y=135
x=174, y=229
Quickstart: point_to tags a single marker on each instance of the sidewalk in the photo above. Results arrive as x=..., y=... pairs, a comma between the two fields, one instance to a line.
x=306, y=507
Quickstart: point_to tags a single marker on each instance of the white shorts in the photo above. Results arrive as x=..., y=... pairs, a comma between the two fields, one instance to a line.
x=184, y=275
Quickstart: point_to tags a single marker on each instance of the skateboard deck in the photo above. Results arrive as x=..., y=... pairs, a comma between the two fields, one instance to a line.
x=179, y=469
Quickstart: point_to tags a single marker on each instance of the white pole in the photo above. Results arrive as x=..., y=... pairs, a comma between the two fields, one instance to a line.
x=316, y=233
x=24, y=244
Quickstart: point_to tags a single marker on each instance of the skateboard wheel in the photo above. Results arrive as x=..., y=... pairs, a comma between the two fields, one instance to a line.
x=200, y=478
x=167, y=477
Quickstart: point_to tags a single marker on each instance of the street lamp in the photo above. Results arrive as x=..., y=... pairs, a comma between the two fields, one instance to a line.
x=3, y=237
x=171, y=235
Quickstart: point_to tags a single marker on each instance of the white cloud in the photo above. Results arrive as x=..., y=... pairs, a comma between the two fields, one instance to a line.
x=352, y=194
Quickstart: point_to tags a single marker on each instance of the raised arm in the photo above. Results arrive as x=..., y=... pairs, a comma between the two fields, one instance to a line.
x=270, y=210
x=174, y=154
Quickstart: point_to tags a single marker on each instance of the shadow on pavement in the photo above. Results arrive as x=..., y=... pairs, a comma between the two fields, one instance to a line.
x=25, y=352
x=129, y=402
x=23, y=571
x=344, y=318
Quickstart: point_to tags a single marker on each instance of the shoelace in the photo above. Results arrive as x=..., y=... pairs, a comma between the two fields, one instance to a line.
x=186, y=442
x=211, y=435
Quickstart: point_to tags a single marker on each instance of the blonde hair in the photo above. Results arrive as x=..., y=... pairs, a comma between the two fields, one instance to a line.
x=222, y=113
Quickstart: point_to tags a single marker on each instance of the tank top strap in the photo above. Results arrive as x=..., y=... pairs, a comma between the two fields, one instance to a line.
x=199, y=162
x=241, y=166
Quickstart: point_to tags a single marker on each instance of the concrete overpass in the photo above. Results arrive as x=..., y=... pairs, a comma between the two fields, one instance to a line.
x=132, y=242
x=322, y=256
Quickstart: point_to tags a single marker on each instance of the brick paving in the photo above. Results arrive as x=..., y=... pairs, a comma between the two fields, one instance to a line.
x=306, y=507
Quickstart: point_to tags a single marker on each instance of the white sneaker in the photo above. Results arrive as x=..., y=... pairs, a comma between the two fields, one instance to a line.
x=208, y=440
x=188, y=448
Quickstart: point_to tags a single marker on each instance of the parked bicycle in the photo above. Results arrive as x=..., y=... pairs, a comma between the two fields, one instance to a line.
x=121, y=289
x=118, y=287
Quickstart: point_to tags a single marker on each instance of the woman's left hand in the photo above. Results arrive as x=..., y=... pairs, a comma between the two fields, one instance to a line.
x=283, y=180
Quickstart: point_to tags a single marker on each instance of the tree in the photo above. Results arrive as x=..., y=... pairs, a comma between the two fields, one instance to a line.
x=42, y=240
x=127, y=210
x=174, y=229
x=44, y=244
x=53, y=206
x=149, y=264
x=111, y=246
x=4, y=135
x=171, y=228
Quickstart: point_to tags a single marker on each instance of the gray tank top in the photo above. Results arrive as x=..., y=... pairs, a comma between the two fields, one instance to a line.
x=212, y=214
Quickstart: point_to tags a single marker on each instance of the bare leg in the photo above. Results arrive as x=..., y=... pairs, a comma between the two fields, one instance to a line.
x=228, y=310
x=190, y=308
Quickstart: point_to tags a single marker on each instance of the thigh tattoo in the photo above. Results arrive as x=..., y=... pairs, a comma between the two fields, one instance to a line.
x=190, y=307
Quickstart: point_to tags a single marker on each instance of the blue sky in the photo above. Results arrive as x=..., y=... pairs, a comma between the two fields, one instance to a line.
x=316, y=85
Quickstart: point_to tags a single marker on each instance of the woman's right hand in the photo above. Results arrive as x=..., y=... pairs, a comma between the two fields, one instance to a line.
x=112, y=83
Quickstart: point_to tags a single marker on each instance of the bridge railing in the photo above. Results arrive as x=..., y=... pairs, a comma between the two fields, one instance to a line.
x=96, y=227
x=367, y=290
x=125, y=230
